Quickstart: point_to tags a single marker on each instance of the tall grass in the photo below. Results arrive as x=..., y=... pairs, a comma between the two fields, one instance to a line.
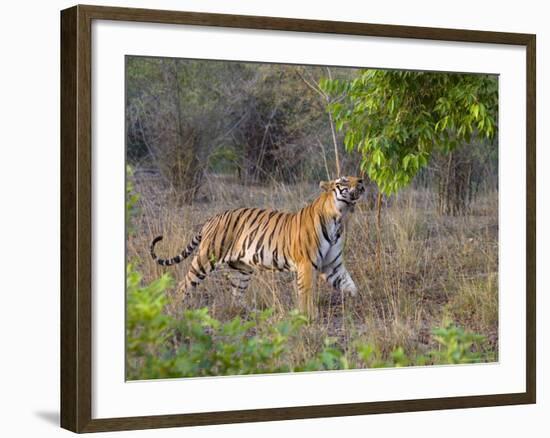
x=432, y=269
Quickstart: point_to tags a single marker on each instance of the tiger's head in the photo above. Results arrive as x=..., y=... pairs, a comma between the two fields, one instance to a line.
x=347, y=189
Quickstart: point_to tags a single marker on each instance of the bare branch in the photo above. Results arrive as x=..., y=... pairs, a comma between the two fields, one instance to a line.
x=333, y=131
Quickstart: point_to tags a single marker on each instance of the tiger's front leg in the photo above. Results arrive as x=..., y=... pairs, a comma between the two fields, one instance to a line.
x=347, y=285
x=336, y=274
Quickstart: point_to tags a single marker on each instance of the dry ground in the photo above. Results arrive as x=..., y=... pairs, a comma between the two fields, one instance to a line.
x=432, y=268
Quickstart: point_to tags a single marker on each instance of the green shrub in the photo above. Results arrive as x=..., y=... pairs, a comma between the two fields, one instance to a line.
x=457, y=346
x=148, y=329
x=160, y=346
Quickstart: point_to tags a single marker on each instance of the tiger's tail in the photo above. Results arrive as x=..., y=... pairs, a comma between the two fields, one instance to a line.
x=180, y=257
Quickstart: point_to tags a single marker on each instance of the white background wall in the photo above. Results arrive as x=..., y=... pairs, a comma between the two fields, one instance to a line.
x=29, y=219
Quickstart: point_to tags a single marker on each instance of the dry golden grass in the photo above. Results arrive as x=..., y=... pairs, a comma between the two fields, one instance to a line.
x=432, y=268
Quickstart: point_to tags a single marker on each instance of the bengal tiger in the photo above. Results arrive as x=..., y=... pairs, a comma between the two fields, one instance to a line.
x=308, y=241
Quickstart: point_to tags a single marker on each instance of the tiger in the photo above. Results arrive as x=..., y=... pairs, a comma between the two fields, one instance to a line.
x=306, y=242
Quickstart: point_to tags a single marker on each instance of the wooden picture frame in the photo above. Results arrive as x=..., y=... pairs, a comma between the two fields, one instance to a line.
x=76, y=218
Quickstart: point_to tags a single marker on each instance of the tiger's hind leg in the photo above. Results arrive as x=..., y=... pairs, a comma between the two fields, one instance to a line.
x=240, y=279
x=200, y=268
x=305, y=290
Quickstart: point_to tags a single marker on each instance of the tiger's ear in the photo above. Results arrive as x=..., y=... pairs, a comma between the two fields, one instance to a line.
x=325, y=185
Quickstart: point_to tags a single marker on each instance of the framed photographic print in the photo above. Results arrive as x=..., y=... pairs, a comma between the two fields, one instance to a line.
x=268, y=218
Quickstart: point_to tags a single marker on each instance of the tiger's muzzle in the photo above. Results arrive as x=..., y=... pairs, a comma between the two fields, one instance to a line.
x=356, y=193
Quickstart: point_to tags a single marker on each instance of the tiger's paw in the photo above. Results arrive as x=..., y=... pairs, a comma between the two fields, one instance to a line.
x=350, y=288
x=181, y=289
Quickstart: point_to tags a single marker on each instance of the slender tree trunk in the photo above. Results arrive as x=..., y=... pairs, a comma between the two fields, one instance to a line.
x=456, y=183
x=333, y=132
x=378, y=231
x=186, y=169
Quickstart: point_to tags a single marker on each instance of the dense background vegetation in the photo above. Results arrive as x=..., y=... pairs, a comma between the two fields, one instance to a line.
x=204, y=136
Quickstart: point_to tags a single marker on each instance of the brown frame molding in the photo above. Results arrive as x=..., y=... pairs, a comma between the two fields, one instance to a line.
x=76, y=173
